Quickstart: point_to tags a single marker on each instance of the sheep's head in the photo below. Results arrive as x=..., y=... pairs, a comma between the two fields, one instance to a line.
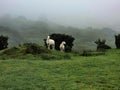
x=63, y=42
x=48, y=37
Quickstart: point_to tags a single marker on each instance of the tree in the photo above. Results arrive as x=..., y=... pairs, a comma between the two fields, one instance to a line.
x=117, y=41
x=62, y=37
x=3, y=42
x=101, y=45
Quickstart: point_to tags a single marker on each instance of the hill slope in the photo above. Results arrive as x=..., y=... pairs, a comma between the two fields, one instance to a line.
x=36, y=31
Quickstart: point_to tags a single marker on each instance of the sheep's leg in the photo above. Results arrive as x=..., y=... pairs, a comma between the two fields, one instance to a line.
x=48, y=46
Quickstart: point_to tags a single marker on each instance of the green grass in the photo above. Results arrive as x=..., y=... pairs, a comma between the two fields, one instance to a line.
x=77, y=73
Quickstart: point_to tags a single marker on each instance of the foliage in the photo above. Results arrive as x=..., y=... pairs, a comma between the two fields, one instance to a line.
x=62, y=37
x=101, y=46
x=25, y=51
x=117, y=41
x=11, y=51
x=33, y=48
x=3, y=42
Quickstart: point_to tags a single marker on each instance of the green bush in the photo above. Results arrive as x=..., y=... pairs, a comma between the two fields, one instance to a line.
x=33, y=48
x=11, y=51
x=101, y=46
x=25, y=51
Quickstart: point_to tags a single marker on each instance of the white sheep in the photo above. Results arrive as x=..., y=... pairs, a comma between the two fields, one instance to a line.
x=50, y=43
x=62, y=46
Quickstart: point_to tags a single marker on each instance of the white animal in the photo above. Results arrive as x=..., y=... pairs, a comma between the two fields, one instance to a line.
x=62, y=46
x=50, y=43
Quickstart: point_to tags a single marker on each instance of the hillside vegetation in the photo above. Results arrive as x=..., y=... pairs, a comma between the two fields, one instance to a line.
x=21, y=30
x=76, y=72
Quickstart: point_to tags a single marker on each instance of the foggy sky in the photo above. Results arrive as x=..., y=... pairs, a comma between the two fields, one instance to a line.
x=77, y=13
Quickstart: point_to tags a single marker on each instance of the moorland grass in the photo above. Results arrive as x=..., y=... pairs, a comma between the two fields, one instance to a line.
x=77, y=73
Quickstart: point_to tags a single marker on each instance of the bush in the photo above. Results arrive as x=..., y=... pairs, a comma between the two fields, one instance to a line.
x=101, y=46
x=3, y=42
x=33, y=48
x=27, y=48
x=11, y=51
x=117, y=41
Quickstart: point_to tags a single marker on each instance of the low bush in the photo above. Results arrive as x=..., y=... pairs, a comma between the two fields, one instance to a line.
x=33, y=48
x=25, y=51
x=11, y=51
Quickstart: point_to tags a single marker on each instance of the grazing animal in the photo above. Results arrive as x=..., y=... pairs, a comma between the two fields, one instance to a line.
x=50, y=43
x=62, y=46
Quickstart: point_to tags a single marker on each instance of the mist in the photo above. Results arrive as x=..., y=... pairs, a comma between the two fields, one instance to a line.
x=75, y=13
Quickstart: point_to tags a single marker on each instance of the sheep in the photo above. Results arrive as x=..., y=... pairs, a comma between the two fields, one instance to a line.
x=50, y=43
x=62, y=46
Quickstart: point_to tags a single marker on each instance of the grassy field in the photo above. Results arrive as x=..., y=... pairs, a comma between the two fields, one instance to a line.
x=77, y=73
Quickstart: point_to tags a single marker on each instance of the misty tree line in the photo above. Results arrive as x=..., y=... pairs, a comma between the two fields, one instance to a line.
x=101, y=45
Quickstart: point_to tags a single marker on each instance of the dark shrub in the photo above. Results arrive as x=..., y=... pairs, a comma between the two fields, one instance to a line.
x=11, y=51
x=3, y=42
x=101, y=46
x=33, y=48
x=117, y=41
x=67, y=49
